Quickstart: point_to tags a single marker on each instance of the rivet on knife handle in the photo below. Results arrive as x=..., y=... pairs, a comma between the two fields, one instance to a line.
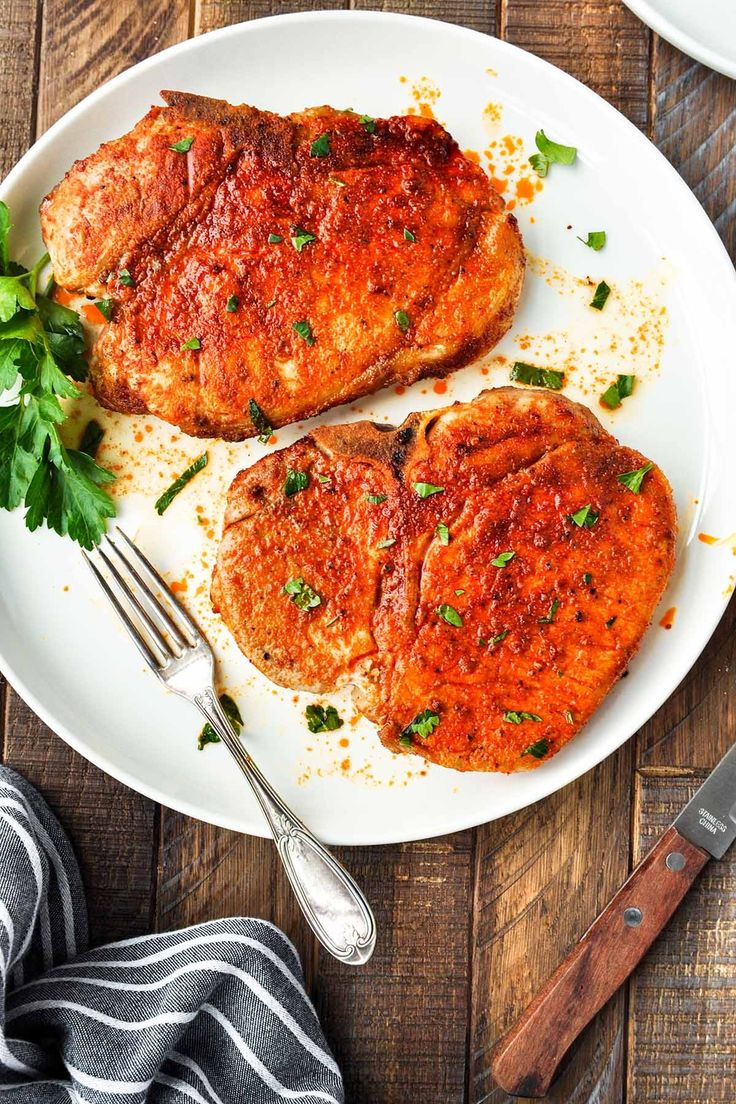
x=526, y=1059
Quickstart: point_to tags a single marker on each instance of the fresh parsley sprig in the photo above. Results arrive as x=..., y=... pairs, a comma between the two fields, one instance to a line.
x=41, y=347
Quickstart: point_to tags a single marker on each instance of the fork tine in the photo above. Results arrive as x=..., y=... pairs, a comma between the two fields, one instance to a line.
x=139, y=606
x=134, y=632
x=151, y=602
x=183, y=617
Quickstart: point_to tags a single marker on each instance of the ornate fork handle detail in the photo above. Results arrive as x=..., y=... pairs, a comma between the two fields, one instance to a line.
x=332, y=903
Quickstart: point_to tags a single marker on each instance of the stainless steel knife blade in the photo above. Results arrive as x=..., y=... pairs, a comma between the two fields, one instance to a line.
x=709, y=818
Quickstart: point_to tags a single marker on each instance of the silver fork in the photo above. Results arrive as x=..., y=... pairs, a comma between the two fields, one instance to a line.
x=175, y=650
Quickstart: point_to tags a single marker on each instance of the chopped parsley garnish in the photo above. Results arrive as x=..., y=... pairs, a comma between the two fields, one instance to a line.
x=443, y=534
x=91, y=438
x=261, y=424
x=569, y=717
x=538, y=749
x=270, y=303
x=324, y=478
x=621, y=389
x=408, y=235
x=459, y=591
x=538, y=377
x=387, y=542
x=498, y=637
x=337, y=182
x=610, y=622
x=320, y=147
x=550, y=153
x=302, y=594
x=232, y=304
x=600, y=296
x=585, y=517
x=274, y=239
x=322, y=718
x=450, y=615
x=368, y=124
x=596, y=239
x=43, y=343
x=105, y=307
x=125, y=278
x=587, y=578
x=305, y=331
x=301, y=237
x=295, y=482
x=424, y=490
x=179, y=484
x=376, y=499
x=518, y=716
x=402, y=320
x=231, y=711
x=551, y=615
x=503, y=558
x=191, y=343
x=634, y=479
x=182, y=146
x=423, y=725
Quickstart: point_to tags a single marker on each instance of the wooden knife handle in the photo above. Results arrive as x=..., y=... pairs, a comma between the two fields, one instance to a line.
x=525, y=1060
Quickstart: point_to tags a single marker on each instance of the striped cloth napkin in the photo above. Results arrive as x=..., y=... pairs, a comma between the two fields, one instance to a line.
x=215, y=1014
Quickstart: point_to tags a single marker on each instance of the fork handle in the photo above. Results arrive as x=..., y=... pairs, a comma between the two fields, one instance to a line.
x=333, y=905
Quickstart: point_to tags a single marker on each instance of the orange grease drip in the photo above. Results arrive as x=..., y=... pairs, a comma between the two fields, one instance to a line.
x=344, y=742
x=62, y=296
x=93, y=314
x=472, y=156
x=525, y=188
x=400, y=389
x=706, y=538
x=440, y=387
x=669, y=618
x=179, y=585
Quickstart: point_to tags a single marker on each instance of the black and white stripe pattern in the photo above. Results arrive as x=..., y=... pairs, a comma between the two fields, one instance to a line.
x=214, y=1014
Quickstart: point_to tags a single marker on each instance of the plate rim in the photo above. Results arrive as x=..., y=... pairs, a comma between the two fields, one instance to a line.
x=658, y=22
x=590, y=757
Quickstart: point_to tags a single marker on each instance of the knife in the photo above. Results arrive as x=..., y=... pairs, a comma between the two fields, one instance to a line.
x=525, y=1060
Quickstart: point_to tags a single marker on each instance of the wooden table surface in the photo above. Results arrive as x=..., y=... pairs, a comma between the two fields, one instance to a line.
x=470, y=924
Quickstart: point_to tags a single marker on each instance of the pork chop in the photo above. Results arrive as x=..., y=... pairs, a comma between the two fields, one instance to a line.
x=481, y=574
x=289, y=262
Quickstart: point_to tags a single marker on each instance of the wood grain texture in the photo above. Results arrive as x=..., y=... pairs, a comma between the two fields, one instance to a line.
x=599, y=42
x=19, y=35
x=209, y=15
x=86, y=42
x=695, y=128
x=682, y=1023
x=479, y=15
x=542, y=876
x=398, y=1025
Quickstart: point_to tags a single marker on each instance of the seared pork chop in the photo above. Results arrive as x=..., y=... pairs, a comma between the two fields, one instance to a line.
x=480, y=574
x=296, y=262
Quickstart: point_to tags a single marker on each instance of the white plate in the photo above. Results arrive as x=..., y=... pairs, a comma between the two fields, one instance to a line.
x=702, y=29
x=62, y=648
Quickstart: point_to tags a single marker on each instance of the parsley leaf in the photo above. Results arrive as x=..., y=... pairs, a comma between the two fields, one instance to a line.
x=408, y=235
x=376, y=499
x=424, y=490
x=105, y=307
x=423, y=725
x=91, y=438
x=450, y=615
x=232, y=304
x=301, y=237
x=261, y=424
x=368, y=124
x=302, y=594
x=402, y=320
x=305, y=331
x=551, y=615
x=538, y=377
x=621, y=389
x=550, y=153
x=585, y=517
x=295, y=482
x=274, y=239
x=387, y=542
x=323, y=719
x=191, y=343
x=538, y=749
x=179, y=484
x=595, y=240
x=443, y=533
x=320, y=147
x=183, y=145
x=498, y=637
x=503, y=558
x=517, y=717
x=634, y=479
x=125, y=278
x=600, y=296
x=231, y=711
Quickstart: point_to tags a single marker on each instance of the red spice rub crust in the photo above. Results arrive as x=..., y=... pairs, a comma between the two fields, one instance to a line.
x=514, y=465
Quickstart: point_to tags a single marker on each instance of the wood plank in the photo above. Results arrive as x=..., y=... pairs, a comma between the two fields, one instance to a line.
x=682, y=1037
x=600, y=43
x=19, y=30
x=695, y=127
x=211, y=14
x=479, y=15
x=110, y=826
x=542, y=876
x=398, y=1025
x=86, y=42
